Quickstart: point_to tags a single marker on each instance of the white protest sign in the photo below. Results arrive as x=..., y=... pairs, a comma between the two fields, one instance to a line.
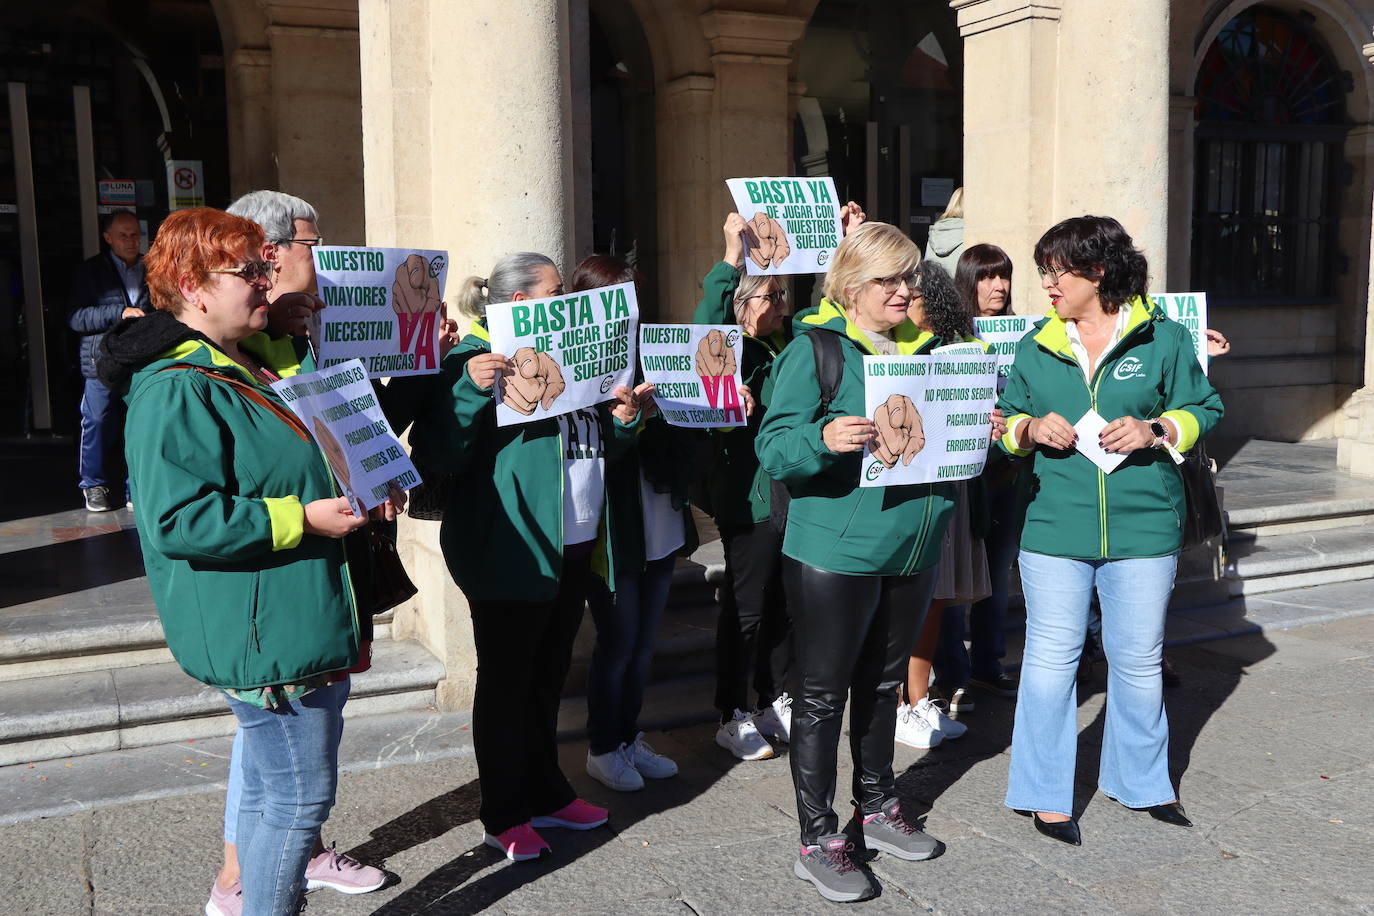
x=382, y=307
x=1189, y=310
x=932, y=414
x=695, y=369
x=340, y=408
x=566, y=352
x=793, y=223
x=1002, y=333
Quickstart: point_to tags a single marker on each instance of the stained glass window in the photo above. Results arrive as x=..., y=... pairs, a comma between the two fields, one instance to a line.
x=1271, y=121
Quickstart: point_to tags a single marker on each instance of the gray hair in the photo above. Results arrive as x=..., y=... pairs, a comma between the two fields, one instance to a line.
x=515, y=273
x=275, y=212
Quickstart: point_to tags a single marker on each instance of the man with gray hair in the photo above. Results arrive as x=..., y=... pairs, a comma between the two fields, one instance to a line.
x=291, y=227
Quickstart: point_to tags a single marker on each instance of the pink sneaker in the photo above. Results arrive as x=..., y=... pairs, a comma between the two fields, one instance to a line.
x=520, y=843
x=225, y=903
x=577, y=815
x=345, y=874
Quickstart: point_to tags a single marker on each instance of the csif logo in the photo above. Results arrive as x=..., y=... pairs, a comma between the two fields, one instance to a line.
x=1129, y=368
x=874, y=471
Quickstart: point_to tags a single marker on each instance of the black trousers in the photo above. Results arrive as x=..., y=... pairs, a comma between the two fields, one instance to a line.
x=523, y=652
x=753, y=634
x=851, y=634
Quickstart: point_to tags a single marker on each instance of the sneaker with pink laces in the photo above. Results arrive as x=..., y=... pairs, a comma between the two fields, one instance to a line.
x=520, y=843
x=342, y=873
x=576, y=815
x=225, y=902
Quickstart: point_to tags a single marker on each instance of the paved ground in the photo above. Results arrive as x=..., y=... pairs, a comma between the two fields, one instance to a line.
x=1269, y=733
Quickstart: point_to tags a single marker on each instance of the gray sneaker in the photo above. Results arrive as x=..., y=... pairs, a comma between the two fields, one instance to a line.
x=98, y=499
x=887, y=831
x=828, y=866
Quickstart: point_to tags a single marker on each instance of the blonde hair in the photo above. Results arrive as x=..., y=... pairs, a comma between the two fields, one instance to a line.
x=871, y=251
x=955, y=208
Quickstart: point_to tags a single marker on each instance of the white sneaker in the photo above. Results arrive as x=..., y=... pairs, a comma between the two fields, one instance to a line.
x=933, y=712
x=775, y=720
x=914, y=731
x=649, y=762
x=741, y=737
x=615, y=770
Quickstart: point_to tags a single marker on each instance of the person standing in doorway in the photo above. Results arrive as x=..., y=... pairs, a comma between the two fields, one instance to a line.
x=106, y=288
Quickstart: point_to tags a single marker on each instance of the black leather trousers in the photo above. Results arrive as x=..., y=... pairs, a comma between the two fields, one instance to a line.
x=851, y=635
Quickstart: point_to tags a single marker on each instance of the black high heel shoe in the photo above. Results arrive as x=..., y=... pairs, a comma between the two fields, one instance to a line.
x=1063, y=831
x=1171, y=813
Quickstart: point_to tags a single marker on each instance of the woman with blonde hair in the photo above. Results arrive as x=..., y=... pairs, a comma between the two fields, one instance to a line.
x=858, y=562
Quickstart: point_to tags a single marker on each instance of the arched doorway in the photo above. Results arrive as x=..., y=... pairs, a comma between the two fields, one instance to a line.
x=1270, y=130
x=96, y=92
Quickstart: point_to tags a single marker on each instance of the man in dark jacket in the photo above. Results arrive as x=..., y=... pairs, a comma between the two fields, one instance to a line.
x=106, y=288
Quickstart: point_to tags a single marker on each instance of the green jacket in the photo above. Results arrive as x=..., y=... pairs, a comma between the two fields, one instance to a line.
x=502, y=534
x=1075, y=509
x=833, y=524
x=247, y=599
x=737, y=488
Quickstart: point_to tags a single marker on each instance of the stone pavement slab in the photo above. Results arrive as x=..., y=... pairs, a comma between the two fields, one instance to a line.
x=1280, y=790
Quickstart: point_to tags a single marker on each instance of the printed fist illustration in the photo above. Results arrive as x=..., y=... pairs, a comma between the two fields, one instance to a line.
x=901, y=436
x=715, y=359
x=536, y=379
x=415, y=292
x=767, y=241
x=333, y=453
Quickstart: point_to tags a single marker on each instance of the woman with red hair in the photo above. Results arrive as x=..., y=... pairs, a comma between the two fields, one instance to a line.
x=240, y=525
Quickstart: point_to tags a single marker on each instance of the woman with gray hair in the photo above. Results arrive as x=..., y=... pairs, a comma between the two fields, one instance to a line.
x=519, y=533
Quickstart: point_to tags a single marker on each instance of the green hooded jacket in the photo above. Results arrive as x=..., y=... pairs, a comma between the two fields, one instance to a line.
x=502, y=534
x=737, y=489
x=833, y=524
x=1075, y=509
x=247, y=599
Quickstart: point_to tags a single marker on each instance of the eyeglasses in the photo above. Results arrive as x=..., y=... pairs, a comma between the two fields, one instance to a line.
x=249, y=273
x=1054, y=273
x=773, y=297
x=890, y=284
x=318, y=240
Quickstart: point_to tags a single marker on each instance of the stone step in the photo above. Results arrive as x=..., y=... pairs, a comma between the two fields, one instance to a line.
x=1295, y=517
x=88, y=712
x=1287, y=561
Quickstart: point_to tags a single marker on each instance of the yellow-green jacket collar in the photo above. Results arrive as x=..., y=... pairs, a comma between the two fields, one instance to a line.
x=1054, y=334
x=910, y=339
x=478, y=329
x=279, y=355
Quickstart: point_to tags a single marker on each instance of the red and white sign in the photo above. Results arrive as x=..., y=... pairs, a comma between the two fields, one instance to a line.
x=185, y=184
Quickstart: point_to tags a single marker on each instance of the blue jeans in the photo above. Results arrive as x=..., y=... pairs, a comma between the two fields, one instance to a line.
x=290, y=771
x=234, y=793
x=102, y=437
x=1134, y=595
x=626, y=624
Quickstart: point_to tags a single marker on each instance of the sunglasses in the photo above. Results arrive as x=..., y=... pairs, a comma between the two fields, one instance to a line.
x=249, y=273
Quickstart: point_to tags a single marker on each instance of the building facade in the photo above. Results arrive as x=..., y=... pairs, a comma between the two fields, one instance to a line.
x=1234, y=139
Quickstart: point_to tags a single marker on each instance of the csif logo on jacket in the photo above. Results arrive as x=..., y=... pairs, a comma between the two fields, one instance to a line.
x=1129, y=368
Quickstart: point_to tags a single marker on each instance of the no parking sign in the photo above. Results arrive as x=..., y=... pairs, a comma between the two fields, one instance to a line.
x=185, y=184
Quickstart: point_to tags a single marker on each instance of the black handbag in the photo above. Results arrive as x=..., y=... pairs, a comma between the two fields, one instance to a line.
x=380, y=581
x=1202, y=518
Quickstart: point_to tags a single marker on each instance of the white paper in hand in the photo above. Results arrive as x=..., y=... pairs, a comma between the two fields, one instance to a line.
x=1089, y=427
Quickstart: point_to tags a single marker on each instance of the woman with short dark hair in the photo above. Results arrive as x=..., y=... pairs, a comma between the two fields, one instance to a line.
x=983, y=279
x=1104, y=348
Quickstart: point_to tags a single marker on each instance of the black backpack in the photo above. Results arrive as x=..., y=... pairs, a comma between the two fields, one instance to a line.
x=825, y=346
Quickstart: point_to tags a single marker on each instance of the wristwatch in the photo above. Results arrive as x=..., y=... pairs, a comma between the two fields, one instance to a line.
x=1160, y=432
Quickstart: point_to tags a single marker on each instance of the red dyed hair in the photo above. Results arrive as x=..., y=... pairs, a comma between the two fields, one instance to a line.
x=190, y=243
x=596, y=270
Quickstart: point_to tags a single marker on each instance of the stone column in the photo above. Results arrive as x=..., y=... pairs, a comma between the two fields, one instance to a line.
x=1355, y=448
x=1056, y=125
x=734, y=123
x=1011, y=65
x=252, y=129
x=468, y=147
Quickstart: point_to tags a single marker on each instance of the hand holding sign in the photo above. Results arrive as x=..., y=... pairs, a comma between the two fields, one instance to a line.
x=535, y=380
x=900, y=432
x=331, y=518
x=715, y=357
